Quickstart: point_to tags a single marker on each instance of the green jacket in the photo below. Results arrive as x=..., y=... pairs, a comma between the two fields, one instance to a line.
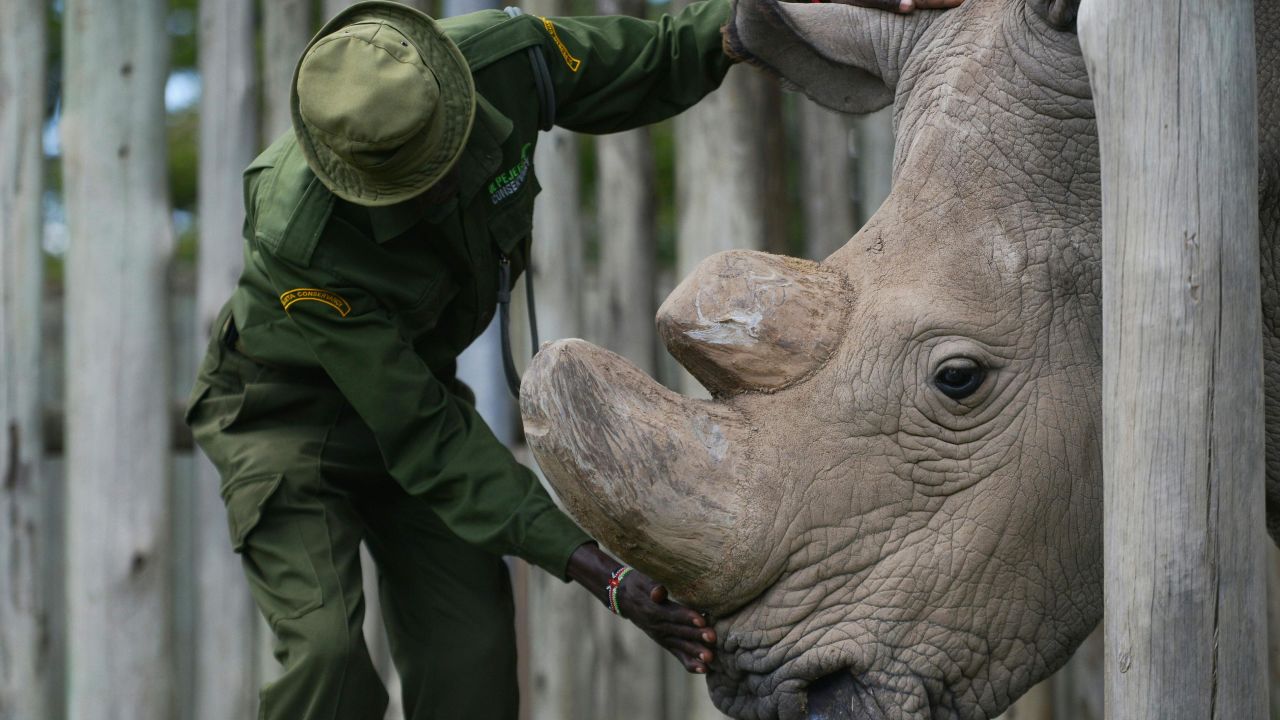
x=384, y=299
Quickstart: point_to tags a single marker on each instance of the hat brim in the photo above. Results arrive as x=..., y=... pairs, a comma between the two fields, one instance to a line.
x=457, y=110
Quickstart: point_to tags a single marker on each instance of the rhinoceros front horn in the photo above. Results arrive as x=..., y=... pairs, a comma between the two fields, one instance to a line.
x=665, y=481
x=750, y=321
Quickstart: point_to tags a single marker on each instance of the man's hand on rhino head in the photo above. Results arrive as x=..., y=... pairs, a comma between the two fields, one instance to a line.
x=902, y=6
x=683, y=632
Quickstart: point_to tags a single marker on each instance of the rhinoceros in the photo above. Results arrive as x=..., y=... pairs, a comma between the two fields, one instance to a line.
x=893, y=500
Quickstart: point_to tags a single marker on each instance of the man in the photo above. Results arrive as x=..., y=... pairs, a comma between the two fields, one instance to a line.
x=377, y=234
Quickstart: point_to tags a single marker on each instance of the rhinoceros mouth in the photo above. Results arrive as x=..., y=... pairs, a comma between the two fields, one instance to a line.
x=831, y=695
x=840, y=696
x=820, y=684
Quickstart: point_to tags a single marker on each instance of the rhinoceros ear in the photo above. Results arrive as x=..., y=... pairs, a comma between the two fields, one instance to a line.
x=1060, y=14
x=837, y=54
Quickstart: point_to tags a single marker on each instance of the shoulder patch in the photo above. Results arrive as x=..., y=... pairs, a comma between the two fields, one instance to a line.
x=573, y=62
x=332, y=299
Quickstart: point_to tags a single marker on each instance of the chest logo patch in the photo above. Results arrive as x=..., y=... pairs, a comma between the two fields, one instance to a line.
x=506, y=184
x=332, y=299
x=573, y=62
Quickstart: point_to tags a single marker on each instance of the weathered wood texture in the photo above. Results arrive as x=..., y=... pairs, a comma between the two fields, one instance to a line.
x=564, y=652
x=118, y=559
x=625, y=221
x=826, y=179
x=874, y=157
x=1273, y=629
x=628, y=246
x=287, y=25
x=1078, y=686
x=720, y=192
x=1182, y=380
x=24, y=653
x=224, y=619
x=561, y=652
x=720, y=205
x=329, y=8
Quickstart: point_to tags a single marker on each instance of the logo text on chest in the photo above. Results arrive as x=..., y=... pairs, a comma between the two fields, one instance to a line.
x=506, y=184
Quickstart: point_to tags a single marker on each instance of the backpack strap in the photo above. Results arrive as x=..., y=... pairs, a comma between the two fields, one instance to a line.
x=541, y=78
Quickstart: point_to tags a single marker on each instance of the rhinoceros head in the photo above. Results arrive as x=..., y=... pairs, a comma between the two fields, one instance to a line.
x=894, y=495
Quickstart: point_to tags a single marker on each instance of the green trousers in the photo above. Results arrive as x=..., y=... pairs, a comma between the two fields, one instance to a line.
x=304, y=484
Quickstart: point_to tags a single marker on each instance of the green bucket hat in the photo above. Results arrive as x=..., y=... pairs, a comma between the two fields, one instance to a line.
x=382, y=103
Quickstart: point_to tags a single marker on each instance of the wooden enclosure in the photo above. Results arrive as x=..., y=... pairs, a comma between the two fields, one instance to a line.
x=119, y=595
x=1184, y=536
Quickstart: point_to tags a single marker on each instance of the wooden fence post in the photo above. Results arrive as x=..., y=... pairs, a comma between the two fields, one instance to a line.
x=628, y=276
x=24, y=671
x=826, y=179
x=563, y=651
x=720, y=205
x=875, y=144
x=1182, y=383
x=287, y=25
x=224, y=619
x=118, y=433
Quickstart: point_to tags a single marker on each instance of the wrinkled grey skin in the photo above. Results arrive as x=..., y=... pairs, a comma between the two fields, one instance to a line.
x=966, y=564
x=931, y=558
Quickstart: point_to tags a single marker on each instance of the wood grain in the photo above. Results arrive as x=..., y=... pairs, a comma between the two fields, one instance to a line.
x=24, y=653
x=118, y=485
x=287, y=25
x=224, y=617
x=1183, y=403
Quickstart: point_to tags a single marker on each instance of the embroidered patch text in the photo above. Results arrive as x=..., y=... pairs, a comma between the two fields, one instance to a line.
x=506, y=184
x=332, y=299
x=573, y=62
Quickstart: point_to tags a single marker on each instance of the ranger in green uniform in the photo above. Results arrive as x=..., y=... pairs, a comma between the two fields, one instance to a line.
x=376, y=234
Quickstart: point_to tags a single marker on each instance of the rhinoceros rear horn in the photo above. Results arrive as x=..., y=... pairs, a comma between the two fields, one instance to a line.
x=750, y=321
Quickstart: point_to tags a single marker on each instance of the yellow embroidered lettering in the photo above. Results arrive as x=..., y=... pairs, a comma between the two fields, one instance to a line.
x=332, y=299
x=573, y=62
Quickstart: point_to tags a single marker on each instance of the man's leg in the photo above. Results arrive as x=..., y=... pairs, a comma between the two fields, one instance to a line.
x=449, y=613
x=296, y=531
x=302, y=560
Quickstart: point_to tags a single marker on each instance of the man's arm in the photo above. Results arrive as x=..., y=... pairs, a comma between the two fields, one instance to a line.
x=433, y=443
x=615, y=72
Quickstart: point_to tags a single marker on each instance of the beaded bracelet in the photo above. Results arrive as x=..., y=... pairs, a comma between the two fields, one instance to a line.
x=615, y=582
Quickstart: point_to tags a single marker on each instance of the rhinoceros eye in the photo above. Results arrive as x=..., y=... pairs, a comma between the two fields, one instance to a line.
x=959, y=378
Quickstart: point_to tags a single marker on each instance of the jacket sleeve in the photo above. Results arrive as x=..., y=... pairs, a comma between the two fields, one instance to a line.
x=433, y=443
x=614, y=73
